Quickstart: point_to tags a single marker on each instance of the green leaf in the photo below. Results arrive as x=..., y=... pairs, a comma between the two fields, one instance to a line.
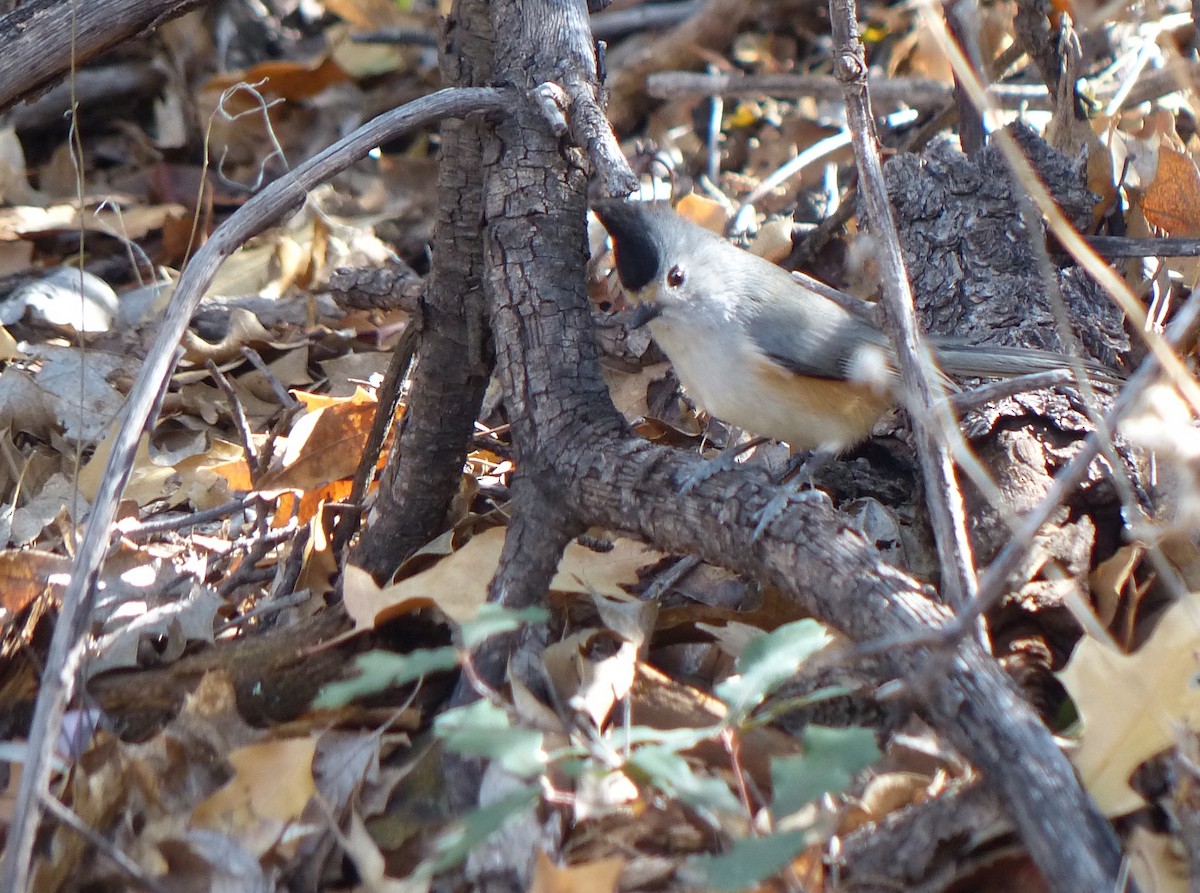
x=490, y=620
x=476, y=827
x=671, y=773
x=747, y=862
x=381, y=670
x=768, y=662
x=667, y=739
x=831, y=758
x=484, y=730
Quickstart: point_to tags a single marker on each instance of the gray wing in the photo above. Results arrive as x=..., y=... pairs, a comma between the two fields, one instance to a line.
x=811, y=335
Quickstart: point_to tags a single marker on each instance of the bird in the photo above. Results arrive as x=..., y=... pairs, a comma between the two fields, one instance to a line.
x=761, y=351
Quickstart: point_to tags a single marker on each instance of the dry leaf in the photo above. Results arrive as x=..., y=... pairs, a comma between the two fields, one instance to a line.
x=288, y=80
x=1130, y=704
x=272, y=784
x=591, y=670
x=1109, y=580
x=1155, y=863
x=26, y=574
x=774, y=239
x=600, y=876
x=1172, y=201
x=706, y=212
x=323, y=447
x=131, y=223
x=458, y=583
x=147, y=483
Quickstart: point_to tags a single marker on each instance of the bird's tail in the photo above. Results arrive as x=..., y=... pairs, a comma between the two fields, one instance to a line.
x=990, y=361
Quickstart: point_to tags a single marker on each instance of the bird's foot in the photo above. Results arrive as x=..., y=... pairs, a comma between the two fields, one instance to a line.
x=796, y=484
x=724, y=461
x=774, y=509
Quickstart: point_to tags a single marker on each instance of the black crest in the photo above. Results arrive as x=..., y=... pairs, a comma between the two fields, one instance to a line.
x=634, y=246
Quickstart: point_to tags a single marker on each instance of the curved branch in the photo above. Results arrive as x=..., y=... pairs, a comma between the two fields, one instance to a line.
x=261, y=211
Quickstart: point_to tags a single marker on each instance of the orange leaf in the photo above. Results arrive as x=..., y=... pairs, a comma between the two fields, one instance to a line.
x=323, y=446
x=600, y=876
x=311, y=502
x=26, y=574
x=272, y=784
x=703, y=211
x=236, y=472
x=288, y=80
x=1172, y=201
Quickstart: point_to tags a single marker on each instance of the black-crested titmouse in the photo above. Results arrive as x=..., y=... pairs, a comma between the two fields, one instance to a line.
x=757, y=349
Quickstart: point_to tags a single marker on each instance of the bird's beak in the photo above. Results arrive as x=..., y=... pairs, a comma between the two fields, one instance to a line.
x=644, y=313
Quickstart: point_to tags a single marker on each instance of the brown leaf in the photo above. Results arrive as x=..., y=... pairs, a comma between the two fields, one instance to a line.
x=273, y=782
x=706, y=212
x=323, y=446
x=600, y=876
x=26, y=574
x=132, y=223
x=1172, y=201
x=1131, y=704
x=1156, y=863
x=458, y=583
x=289, y=80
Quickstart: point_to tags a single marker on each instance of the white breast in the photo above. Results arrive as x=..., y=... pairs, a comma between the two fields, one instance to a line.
x=729, y=378
x=712, y=366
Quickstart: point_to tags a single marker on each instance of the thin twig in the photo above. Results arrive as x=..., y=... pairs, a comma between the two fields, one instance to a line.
x=266, y=609
x=149, y=529
x=1123, y=246
x=715, y=22
x=240, y=422
x=962, y=19
x=388, y=400
x=1008, y=387
x=1070, y=238
x=421, y=37
x=103, y=846
x=670, y=577
x=947, y=513
x=286, y=400
x=913, y=92
x=612, y=24
x=922, y=93
x=996, y=578
x=247, y=569
x=1117, y=289
x=809, y=243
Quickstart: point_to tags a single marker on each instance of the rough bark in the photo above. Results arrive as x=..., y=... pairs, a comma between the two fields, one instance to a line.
x=41, y=36
x=455, y=356
x=920, y=849
x=973, y=266
x=573, y=440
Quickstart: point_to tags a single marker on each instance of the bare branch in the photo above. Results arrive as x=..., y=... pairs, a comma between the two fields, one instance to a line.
x=924, y=399
x=264, y=209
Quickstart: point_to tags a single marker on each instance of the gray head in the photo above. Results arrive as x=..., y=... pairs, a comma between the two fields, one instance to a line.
x=663, y=260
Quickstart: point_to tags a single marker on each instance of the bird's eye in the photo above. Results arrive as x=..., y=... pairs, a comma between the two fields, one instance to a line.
x=675, y=277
